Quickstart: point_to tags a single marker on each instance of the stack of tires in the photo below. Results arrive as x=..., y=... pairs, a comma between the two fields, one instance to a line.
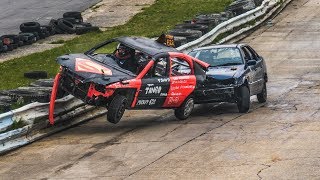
x=201, y=24
x=241, y=6
x=191, y=30
x=71, y=23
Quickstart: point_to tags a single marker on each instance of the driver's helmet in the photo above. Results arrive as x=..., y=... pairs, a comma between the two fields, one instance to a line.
x=124, y=52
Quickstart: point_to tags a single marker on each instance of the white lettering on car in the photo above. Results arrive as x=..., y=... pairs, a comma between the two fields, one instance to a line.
x=163, y=80
x=142, y=102
x=153, y=90
x=173, y=100
x=152, y=102
x=146, y=102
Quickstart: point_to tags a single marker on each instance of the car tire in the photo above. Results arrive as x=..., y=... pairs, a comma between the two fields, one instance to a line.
x=188, y=33
x=56, y=29
x=30, y=27
x=73, y=14
x=262, y=96
x=116, y=109
x=36, y=74
x=184, y=111
x=66, y=26
x=243, y=101
x=203, y=28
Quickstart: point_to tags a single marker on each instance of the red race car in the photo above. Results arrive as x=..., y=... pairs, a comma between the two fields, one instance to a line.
x=130, y=73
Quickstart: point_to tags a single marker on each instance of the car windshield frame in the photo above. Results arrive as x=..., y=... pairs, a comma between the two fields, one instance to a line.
x=218, y=56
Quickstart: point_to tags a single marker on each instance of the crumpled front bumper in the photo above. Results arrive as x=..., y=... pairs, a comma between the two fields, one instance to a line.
x=218, y=94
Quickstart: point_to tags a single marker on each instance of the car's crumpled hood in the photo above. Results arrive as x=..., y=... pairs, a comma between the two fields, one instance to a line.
x=104, y=72
x=224, y=72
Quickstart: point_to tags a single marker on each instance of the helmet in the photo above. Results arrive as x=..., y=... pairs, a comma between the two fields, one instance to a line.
x=123, y=52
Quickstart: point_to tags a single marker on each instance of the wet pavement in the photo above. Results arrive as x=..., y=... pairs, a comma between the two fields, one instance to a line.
x=275, y=140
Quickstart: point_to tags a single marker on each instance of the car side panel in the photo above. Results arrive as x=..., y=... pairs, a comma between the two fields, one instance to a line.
x=180, y=88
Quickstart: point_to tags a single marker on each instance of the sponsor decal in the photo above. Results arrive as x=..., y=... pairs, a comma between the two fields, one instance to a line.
x=153, y=90
x=85, y=65
x=163, y=80
x=149, y=102
x=163, y=94
x=176, y=94
x=180, y=77
x=173, y=100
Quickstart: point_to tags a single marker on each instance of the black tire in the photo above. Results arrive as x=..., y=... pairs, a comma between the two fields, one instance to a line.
x=9, y=47
x=4, y=48
x=73, y=20
x=243, y=101
x=188, y=33
x=116, y=109
x=184, y=111
x=85, y=24
x=36, y=74
x=30, y=27
x=262, y=97
x=203, y=28
x=55, y=27
x=66, y=26
x=179, y=41
x=83, y=30
x=73, y=14
x=46, y=30
x=28, y=38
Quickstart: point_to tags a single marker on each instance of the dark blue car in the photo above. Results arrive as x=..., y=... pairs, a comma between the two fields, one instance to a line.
x=236, y=72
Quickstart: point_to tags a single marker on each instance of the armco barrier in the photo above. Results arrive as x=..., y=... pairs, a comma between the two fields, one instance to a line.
x=232, y=23
x=35, y=115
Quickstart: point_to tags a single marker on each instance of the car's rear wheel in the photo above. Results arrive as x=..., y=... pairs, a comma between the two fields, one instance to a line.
x=116, y=109
x=262, y=97
x=184, y=111
x=243, y=102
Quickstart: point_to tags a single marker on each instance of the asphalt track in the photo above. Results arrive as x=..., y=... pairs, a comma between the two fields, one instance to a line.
x=15, y=12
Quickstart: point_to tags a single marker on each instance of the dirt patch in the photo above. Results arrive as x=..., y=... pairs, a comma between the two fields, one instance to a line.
x=109, y=13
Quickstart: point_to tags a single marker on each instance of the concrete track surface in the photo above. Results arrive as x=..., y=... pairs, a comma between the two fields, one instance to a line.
x=276, y=140
x=15, y=12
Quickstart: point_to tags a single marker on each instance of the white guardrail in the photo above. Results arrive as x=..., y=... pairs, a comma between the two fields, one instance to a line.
x=34, y=116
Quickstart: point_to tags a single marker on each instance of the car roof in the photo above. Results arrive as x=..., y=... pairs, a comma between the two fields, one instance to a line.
x=145, y=45
x=220, y=46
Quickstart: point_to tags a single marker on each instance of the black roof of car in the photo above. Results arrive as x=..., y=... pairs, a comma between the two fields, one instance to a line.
x=145, y=45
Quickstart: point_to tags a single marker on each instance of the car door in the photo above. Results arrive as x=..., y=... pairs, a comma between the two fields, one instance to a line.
x=154, y=85
x=251, y=70
x=259, y=74
x=182, y=80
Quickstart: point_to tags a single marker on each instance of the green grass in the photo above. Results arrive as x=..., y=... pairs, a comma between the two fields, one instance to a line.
x=154, y=20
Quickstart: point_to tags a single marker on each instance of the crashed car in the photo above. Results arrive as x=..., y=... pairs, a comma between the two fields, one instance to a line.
x=236, y=72
x=130, y=73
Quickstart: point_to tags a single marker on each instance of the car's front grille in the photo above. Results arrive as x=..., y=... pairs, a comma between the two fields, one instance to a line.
x=72, y=83
x=218, y=82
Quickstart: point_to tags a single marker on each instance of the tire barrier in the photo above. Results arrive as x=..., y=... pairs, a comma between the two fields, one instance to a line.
x=71, y=23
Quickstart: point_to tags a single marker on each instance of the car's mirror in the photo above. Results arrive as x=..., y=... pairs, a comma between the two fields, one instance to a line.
x=251, y=63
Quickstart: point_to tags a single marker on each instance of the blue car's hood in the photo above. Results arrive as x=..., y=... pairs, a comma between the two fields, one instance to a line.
x=224, y=72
